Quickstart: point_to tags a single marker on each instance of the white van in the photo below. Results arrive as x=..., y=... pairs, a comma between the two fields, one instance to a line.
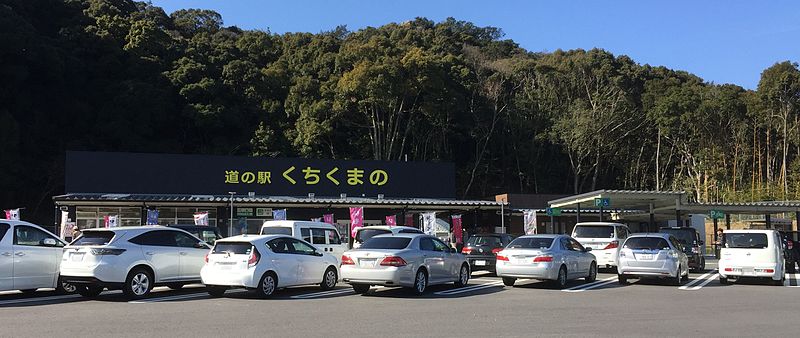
x=604, y=238
x=752, y=254
x=323, y=235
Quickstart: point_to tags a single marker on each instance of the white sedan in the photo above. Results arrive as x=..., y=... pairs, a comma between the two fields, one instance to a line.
x=557, y=258
x=264, y=263
x=29, y=258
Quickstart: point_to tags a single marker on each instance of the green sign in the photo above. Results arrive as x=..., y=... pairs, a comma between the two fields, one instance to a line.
x=244, y=212
x=553, y=211
x=717, y=214
x=263, y=212
x=602, y=202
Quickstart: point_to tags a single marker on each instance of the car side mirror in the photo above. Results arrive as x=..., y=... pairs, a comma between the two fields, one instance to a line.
x=587, y=249
x=48, y=242
x=317, y=253
x=453, y=250
x=201, y=245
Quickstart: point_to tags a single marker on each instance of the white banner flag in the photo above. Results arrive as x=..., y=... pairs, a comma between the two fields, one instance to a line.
x=529, y=217
x=65, y=230
x=201, y=218
x=12, y=214
x=113, y=221
x=429, y=223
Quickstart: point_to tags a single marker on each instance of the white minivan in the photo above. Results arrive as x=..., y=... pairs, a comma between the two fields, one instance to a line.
x=29, y=258
x=604, y=238
x=322, y=235
x=752, y=254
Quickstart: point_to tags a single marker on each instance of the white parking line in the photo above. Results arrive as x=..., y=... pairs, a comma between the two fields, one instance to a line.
x=592, y=285
x=699, y=279
x=468, y=289
x=322, y=294
x=709, y=279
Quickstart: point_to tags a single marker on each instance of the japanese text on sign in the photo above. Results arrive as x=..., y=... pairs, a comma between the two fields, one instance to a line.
x=310, y=176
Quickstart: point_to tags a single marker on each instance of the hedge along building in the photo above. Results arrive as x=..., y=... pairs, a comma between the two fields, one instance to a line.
x=240, y=193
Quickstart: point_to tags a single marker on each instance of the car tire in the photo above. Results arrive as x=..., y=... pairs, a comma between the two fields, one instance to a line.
x=622, y=280
x=778, y=282
x=420, y=282
x=138, y=284
x=463, y=276
x=65, y=288
x=508, y=281
x=267, y=285
x=702, y=264
x=592, y=273
x=361, y=288
x=724, y=280
x=216, y=291
x=89, y=291
x=329, y=279
x=561, y=279
x=175, y=286
x=676, y=281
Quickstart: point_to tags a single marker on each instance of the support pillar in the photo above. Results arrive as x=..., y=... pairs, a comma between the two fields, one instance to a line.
x=727, y=221
x=652, y=223
x=578, y=217
x=679, y=221
x=601, y=213
x=768, y=219
x=796, y=221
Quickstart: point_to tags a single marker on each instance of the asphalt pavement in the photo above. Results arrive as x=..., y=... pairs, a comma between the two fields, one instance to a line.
x=485, y=308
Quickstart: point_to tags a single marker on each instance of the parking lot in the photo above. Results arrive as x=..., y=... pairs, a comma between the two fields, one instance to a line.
x=484, y=308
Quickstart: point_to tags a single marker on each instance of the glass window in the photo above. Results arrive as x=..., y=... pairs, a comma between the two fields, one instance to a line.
x=365, y=233
x=30, y=236
x=235, y=248
x=209, y=236
x=276, y=231
x=333, y=237
x=155, y=238
x=575, y=245
x=3, y=229
x=746, y=240
x=565, y=244
x=531, y=243
x=685, y=236
x=94, y=238
x=621, y=233
x=426, y=244
x=318, y=236
x=478, y=240
x=440, y=246
x=386, y=243
x=646, y=243
x=185, y=241
x=302, y=248
x=593, y=231
x=280, y=245
x=410, y=231
x=305, y=233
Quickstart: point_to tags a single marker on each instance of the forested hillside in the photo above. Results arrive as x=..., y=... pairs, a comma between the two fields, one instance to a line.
x=119, y=75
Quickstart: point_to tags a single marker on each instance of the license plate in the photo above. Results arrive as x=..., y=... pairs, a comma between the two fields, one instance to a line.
x=523, y=261
x=480, y=263
x=748, y=271
x=77, y=257
x=646, y=256
x=367, y=263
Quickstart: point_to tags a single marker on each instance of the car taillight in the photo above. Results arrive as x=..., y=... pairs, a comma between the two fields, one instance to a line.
x=254, y=257
x=612, y=245
x=728, y=269
x=543, y=259
x=496, y=250
x=769, y=270
x=393, y=261
x=206, y=258
x=502, y=258
x=466, y=250
x=789, y=245
x=346, y=260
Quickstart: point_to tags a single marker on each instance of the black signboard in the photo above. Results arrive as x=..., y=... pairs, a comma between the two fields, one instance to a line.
x=132, y=173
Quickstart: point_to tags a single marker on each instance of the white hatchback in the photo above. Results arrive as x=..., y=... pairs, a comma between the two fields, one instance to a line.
x=752, y=254
x=264, y=263
x=29, y=258
x=134, y=259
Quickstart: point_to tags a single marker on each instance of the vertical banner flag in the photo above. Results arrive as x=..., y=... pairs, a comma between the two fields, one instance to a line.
x=279, y=215
x=110, y=221
x=429, y=223
x=457, y=231
x=529, y=219
x=409, y=221
x=201, y=218
x=316, y=219
x=391, y=220
x=328, y=218
x=152, y=217
x=65, y=232
x=12, y=214
x=356, y=220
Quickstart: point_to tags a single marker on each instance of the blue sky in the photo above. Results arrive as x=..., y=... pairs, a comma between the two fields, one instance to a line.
x=720, y=41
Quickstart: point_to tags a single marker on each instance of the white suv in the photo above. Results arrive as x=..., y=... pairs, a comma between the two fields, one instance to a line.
x=134, y=259
x=604, y=238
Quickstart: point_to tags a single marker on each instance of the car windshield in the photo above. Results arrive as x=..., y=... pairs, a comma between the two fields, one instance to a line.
x=234, y=248
x=746, y=240
x=479, y=240
x=386, y=243
x=646, y=243
x=594, y=231
x=276, y=231
x=685, y=236
x=366, y=234
x=531, y=243
x=94, y=238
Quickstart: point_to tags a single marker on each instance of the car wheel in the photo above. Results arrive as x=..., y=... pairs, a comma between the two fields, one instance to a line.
x=175, y=286
x=361, y=288
x=420, y=282
x=622, y=279
x=138, y=284
x=678, y=277
x=267, y=286
x=592, y=273
x=89, y=291
x=216, y=291
x=463, y=276
x=561, y=280
x=685, y=278
x=508, y=281
x=702, y=264
x=329, y=279
x=723, y=280
x=65, y=288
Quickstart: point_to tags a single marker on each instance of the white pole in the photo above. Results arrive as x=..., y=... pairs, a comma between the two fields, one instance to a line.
x=502, y=217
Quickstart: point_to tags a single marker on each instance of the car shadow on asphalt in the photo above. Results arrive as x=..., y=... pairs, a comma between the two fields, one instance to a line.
x=437, y=291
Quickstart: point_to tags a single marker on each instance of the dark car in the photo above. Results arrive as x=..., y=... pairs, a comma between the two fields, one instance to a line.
x=692, y=245
x=791, y=249
x=208, y=234
x=481, y=250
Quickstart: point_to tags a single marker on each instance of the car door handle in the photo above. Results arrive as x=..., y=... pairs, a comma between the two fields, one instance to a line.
x=7, y=254
x=148, y=253
x=20, y=254
x=183, y=253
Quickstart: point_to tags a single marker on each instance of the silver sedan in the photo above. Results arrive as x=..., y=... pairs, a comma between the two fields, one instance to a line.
x=652, y=255
x=557, y=258
x=408, y=260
